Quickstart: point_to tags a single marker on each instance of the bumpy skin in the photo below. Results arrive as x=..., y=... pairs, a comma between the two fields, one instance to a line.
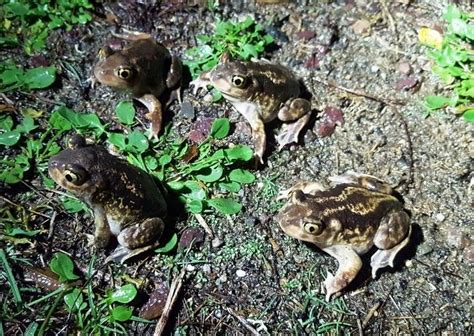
x=146, y=69
x=261, y=92
x=125, y=200
x=346, y=221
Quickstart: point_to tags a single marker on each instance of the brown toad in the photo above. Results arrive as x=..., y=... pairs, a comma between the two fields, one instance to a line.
x=146, y=69
x=261, y=92
x=345, y=221
x=125, y=200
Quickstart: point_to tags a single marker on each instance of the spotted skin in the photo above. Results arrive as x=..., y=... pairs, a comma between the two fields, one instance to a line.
x=345, y=221
x=125, y=200
x=261, y=92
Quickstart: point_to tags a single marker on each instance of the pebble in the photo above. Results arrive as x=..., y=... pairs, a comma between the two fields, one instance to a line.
x=206, y=268
x=223, y=278
x=187, y=110
x=455, y=237
x=361, y=27
x=439, y=217
x=190, y=268
x=241, y=273
x=404, y=68
x=468, y=254
x=216, y=242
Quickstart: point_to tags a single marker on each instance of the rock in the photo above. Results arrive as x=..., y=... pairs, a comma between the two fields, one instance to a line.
x=156, y=302
x=193, y=235
x=187, y=110
x=216, y=242
x=456, y=238
x=406, y=83
x=404, y=68
x=305, y=35
x=468, y=254
x=361, y=27
x=241, y=273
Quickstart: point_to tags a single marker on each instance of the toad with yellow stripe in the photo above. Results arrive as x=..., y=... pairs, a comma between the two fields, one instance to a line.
x=345, y=221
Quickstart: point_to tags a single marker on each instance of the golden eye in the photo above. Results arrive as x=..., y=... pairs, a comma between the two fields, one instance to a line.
x=313, y=228
x=124, y=73
x=238, y=80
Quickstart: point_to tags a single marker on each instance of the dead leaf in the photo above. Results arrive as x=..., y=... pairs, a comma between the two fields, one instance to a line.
x=430, y=37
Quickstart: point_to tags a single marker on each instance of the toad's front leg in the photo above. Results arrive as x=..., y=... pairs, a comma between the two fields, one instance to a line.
x=102, y=231
x=137, y=239
x=349, y=265
x=155, y=113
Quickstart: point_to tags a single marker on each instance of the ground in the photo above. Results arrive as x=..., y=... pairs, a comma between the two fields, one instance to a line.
x=249, y=269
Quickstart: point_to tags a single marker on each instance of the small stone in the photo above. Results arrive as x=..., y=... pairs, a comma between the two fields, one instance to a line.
x=468, y=254
x=305, y=35
x=187, y=110
x=190, y=268
x=374, y=68
x=406, y=83
x=241, y=273
x=192, y=235
x=251, y=221
x=206, y=268
x=404, y=68
x=456, y=238
x=409, y=263
x=216, y=242
x=223, y=278
x=440, y=217
x=361, y=27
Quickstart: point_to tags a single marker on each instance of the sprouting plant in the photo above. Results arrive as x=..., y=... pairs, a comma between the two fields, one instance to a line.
x=243, y=40
x=453, y=58
x=13, y=77
x=29, y=22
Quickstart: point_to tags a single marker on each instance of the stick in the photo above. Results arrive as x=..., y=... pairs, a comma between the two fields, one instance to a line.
x=170, y=301
x=243, y=321
x=203, y=223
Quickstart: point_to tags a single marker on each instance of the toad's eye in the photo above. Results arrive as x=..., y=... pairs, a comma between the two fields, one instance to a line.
x=124, y=73
x=313, y=228
x=238, y=81
x=75, y=175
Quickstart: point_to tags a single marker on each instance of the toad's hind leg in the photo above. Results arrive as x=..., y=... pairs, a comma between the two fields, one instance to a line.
x=349, y=265
x=299, y=109
x=391, y=237
x=307, y=187
x=367, y=181
x=131, y=35
x=137, y=239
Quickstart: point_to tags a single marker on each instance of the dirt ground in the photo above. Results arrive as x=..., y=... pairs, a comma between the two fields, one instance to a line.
x=250, y=275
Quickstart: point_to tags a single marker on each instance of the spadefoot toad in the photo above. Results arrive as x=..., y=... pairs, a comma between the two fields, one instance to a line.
x=345, y=221
x=261, y=92
x=146, y=69
x=125, y=200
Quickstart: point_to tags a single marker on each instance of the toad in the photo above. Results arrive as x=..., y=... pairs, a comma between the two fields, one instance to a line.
x=146, y=69
x=345, y=221
x=261, y=92
x=125, y=200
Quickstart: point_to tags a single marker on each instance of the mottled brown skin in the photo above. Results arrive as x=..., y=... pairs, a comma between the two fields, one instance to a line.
x=125, y=200
x=146, y=69
x=345, y=221
x=261, y=92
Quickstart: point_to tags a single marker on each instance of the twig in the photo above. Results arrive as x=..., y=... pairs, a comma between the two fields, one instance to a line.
x=51, y=225
x=243, y=321
x=359, y=326
x=27, y=209
x=409, y=179
x=361, y=94
x=170, y=301
x=369, y=315
x=203, y=223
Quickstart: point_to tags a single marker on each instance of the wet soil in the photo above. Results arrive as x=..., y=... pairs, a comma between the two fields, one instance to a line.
x=250, y=269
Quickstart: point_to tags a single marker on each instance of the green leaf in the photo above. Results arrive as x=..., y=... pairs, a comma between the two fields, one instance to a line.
x=9, y=138
x=39, y=78
x=73, y=205
x=458, y=27
x=239, y=152
x=121, y=313
x=241, y=176
x=125, y=112
x=170, y=245
x=63, y=266
x=138, y=141
x=226, y=206
x=6, y=123
x=220, y=128
x=16, y=232
x=437, y=102
x=210, y=174
x=195, y=206
x=118, y=140
x=27, y=125
x=194, y=190
x=31, y=329
x=469, y=115
x=164, y=159
x=75, y=300
x=230, y=186
x=452, y=12
x=124, y=294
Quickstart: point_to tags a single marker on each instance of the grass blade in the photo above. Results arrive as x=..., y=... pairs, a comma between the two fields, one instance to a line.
x=10, y=277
